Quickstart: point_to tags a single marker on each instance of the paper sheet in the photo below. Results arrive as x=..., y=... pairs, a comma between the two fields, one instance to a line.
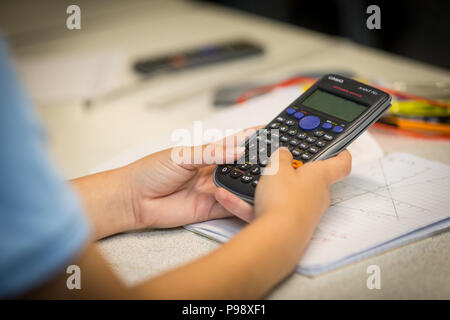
x=255, y=112
x=385, y=203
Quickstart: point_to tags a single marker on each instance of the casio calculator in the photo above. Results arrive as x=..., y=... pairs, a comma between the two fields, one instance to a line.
x=319, y=124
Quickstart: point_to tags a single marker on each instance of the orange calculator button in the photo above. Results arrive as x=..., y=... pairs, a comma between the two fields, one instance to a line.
x=296, y=164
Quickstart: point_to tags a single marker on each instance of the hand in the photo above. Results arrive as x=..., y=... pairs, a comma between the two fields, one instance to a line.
x=301, y=191
x=167, y=194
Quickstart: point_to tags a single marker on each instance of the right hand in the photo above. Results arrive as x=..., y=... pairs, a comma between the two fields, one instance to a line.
x=301, y=191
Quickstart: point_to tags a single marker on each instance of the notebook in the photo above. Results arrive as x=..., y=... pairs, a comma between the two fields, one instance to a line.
x=386, y=202
x=383, y=204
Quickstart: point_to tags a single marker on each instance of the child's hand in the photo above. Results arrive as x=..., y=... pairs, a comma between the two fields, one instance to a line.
x=301, y=191
x=168, y=194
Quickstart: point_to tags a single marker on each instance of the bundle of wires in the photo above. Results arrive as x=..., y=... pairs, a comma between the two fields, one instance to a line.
x=409, y=115
x=416, y=116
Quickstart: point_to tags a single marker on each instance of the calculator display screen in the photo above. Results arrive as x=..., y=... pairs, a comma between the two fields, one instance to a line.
x=333, y=105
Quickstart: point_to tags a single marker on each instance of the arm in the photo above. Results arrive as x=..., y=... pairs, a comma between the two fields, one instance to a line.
x=158, y=192
x=249, y=264
x=105, y=197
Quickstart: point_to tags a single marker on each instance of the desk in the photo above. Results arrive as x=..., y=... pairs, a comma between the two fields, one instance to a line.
x=80, y=140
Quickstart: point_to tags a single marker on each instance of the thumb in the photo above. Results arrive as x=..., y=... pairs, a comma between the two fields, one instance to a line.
x=281, y=160
x=336, y=168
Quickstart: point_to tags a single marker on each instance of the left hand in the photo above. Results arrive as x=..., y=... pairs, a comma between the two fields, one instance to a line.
x=167, y=194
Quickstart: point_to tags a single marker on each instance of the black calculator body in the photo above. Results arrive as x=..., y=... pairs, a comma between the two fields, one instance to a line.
x=319, y=124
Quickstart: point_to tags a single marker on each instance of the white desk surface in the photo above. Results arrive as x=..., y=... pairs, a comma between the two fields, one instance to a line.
x=81, y=140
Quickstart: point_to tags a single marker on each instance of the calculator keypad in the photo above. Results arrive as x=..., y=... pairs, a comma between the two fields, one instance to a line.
x=304, y=135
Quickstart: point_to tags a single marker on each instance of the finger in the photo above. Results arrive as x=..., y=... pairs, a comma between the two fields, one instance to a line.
x=280, y=161
x=336, y=168
x=235, y=205
x=218, y=212
x=194, y=157
x=227, y=150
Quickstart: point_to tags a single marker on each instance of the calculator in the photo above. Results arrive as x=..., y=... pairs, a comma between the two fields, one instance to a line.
x=319, y=124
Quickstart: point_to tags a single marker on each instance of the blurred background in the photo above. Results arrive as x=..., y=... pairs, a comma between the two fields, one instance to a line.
x=416, y=29
x=122, y=79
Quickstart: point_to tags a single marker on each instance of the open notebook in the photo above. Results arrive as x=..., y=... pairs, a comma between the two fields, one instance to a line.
x=383, y=204
x=386, y=202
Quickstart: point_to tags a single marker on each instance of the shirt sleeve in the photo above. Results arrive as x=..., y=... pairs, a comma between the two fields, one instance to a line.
x=42, y=226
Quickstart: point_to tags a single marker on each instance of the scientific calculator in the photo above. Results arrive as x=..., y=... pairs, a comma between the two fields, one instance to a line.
x=319, y=124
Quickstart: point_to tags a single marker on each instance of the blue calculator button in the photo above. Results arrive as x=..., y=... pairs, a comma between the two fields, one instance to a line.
x=327, y=126
x=299, y=115
x=290, y=111
x=338, y=129
x=309, y=123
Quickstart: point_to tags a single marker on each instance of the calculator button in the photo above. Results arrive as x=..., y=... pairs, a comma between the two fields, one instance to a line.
x=296, y=163
x=290, y=111
x=296, y=152
x=338, y=129
x=244, y=166
x=275, y=125
x=254, y=183
x=284, y=128
x=292, y=132
x=311, y=139
x=313, y=149
x=318, y=133
x=284, y=139
x=328, y=137
x=290, y=122
x=281, y=119
x=303, y=146
x=306, y=156
x=299, y=115
x=235, y=174
x=225, y=170
x=246, y=179
x=293, y=142
x=321, y=143
x=327, y=126
x=301, y=135
x=255, y=170
x=309, y=123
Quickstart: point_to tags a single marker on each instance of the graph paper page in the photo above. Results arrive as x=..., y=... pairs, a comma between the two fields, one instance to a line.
x=379, y=202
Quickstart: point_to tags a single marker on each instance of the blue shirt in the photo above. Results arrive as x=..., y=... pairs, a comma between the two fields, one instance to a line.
x=42, y=227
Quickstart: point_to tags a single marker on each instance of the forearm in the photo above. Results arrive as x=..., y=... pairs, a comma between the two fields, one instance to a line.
x=246, y=267
x=106, y=198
